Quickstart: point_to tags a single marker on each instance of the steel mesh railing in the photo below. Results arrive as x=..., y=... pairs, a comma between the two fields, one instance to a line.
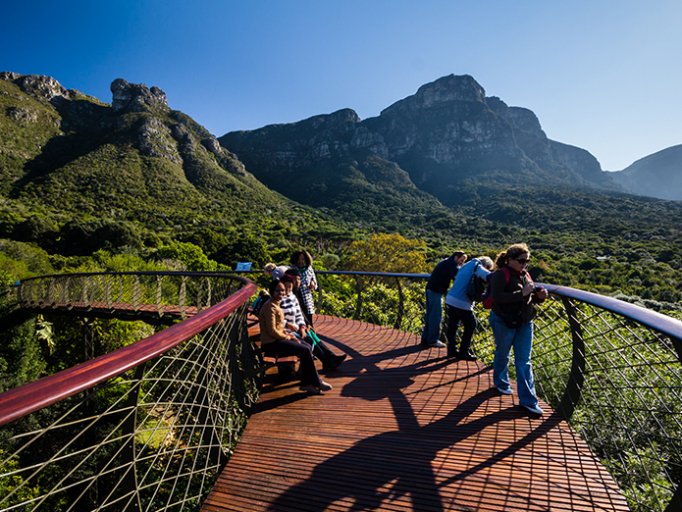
x=153, y=437
x=612, y=369
x=150, y=437
x=178, y=294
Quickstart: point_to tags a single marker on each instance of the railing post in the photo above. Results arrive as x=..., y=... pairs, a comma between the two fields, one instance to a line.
x=182, y=294
x=137, y=292
x=401, y=305
x=107, y=291
x=577, y=377
x=159, y=308
x=358, y=303
x=677, y=345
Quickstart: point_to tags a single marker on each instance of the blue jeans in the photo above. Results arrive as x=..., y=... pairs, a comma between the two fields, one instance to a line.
x=521, y=338
x=433, y=317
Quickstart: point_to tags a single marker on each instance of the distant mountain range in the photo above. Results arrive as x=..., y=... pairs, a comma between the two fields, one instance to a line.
x=448, y=158
x=658, y=175
x=445, y=140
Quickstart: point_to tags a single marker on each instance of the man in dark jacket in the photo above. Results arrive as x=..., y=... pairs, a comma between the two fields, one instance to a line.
x=436, y=287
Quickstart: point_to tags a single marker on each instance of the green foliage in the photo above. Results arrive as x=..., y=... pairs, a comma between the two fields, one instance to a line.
x=188, y=255
x=14, y=483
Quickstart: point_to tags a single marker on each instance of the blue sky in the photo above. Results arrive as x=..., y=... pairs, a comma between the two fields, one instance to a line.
x=601, y=75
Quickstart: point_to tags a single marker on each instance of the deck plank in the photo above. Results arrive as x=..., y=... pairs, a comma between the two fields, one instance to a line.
x=406, y=429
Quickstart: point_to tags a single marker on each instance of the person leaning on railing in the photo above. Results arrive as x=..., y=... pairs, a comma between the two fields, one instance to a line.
x=276, y=342
x=461, y=307
x=514, y=297
x=437, y=285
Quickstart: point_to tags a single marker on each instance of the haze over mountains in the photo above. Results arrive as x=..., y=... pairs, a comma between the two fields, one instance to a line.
x=657, y=175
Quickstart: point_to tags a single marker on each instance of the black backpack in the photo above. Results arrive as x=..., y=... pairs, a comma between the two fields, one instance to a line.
x=476, y=287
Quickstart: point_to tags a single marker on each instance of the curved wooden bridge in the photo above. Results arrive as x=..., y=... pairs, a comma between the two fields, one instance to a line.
x=406, y=429
x=154, y=425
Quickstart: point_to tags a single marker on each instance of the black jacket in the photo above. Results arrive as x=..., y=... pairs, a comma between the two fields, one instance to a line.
x=508, y=300
x=442, y=276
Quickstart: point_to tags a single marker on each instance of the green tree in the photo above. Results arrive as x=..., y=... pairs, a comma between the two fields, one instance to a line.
x=189, y=256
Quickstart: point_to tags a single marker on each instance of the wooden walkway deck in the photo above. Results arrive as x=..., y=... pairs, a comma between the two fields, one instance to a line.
x=406, y=429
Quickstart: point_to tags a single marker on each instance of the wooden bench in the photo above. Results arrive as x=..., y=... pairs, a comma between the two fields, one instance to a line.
x=286, y=365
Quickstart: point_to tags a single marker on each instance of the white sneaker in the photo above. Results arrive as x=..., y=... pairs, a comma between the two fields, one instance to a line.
x=437, y=344
x=325, y=386
x=507, y=391
x=534, y=409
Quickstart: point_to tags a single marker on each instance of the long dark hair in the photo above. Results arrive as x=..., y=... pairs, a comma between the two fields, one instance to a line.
x=306, y=255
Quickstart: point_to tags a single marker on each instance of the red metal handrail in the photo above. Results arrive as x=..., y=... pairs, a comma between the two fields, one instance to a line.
x=23, y=400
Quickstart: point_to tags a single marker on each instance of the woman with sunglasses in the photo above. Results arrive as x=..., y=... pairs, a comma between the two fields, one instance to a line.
x=514, y=297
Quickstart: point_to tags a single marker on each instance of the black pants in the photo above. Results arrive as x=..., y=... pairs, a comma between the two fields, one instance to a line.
x=283, y=348
x=321, y=351
x=455, y=316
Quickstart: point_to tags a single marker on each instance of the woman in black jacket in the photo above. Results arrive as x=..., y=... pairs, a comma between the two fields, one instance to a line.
x=514, y=297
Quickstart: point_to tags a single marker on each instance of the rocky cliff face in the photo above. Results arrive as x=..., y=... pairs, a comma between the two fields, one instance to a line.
x=447, y=133
x=57, y=143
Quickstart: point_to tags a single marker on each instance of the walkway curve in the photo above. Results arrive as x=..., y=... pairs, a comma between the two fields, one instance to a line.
x=406, y=429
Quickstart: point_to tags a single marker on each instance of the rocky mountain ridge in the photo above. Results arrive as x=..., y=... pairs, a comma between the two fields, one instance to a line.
x=447, y=136
x=65, y=156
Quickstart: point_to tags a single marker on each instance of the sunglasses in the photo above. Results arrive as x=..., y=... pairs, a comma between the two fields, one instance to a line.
x=523, y=261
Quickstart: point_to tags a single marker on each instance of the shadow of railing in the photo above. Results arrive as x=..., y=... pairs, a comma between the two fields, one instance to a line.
x=612, y=369
x=150, y=425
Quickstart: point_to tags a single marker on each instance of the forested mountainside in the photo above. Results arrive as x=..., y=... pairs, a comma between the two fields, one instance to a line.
x=77, y=174
x=135, y=178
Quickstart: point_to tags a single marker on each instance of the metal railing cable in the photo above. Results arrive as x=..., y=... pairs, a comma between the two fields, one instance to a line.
x=611, y=368
x=146, y=427
x=152, y=437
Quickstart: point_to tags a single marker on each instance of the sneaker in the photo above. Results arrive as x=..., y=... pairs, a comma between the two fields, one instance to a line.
x=325, y=386
x=310, y=389
x=507, y=391
x=435, y=344
x=466, y=356
x=535, y=409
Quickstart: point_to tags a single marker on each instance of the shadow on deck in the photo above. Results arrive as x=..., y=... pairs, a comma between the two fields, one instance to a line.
x=406, y=429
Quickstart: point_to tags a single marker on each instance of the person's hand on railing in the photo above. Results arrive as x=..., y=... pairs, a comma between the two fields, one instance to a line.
x=541, y=293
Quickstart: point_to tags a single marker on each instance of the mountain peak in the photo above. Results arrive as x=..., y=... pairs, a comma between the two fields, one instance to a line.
x=450, y=88
x=447, y=89
x=129, y=97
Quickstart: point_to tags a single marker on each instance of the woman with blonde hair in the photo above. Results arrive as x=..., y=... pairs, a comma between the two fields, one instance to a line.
x=514, y=297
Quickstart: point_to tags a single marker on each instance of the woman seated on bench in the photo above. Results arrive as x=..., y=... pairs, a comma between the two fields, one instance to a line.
x=275, y=342
x=295, y=323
